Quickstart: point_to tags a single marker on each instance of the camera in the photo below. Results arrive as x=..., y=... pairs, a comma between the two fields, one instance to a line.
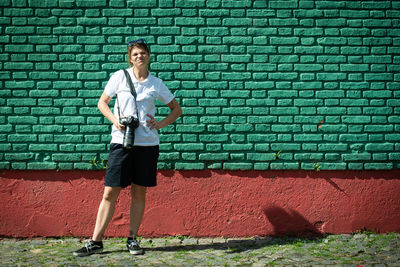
x=131, y=123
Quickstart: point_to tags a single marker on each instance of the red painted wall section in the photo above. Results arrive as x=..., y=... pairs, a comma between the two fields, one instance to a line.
x=205, y=203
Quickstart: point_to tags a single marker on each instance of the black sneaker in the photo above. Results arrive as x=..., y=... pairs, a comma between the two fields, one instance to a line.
x=90, y=248
x=133, y=247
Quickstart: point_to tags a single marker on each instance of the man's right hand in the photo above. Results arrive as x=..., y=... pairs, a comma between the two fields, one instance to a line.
x=119, y=126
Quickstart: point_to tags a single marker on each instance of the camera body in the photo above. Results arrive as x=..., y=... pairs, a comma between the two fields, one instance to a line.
x=130, y=123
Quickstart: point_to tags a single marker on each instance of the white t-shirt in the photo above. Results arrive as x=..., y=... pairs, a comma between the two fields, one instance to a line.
x=147, y=91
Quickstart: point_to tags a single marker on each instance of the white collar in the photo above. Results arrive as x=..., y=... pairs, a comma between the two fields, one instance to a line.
x=134, y=79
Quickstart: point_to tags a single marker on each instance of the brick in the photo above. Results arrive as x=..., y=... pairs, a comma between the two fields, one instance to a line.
x=356, y=119
x=284, y=110
x=378, y=77
x=47, y=128
x=43, y=147
x=379, y=156
x=262, y=138
x=237, y=166
x=165, y=12
x=394, y=156
x=236, y=21
x=237, y=147
x=260, y=102
x=332, y=166
x=259, y=85
x=236, y=4
x=67, y=157
x=332, y=147
x=378, y=110
x=14, y=165
x=15, y=12
x=377, y=94
x=22, y=120
x=307, y=137
x=378, y=128
x=395, y=137
x=213, y=156
x=19, y=85
x=285, y=128
x=5, y=3
x=189, y=75
x=378, y=166
x=5, y=147
x=189, y=156
x=261, y=156
x=90, y=147
x=18, y=156
x=69, y=120
x=214, y=138
x=308, y=102
x=188, y=147
x=169, y=156
x=189, y=21
x=308, y=156
x=21, y=102
x=213, y=102
x=353, y=137
x=189, y=166
x=42, y=165
x=238, y=127
x=237, y=40
x=379, y=147
x=284, y=166
x=236, y=111
x=284, y=22
x=332, y=111
x=20, y=30
x=91, y=128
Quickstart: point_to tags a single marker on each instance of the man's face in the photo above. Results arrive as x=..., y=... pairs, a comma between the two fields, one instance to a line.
x=139, y=57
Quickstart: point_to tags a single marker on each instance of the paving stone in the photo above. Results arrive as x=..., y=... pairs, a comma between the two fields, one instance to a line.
x=239, y=242
x=205, y=241
x=157, y=242
x=219, y=240
x=263, y=240
x=173, y=242
x=189, y=241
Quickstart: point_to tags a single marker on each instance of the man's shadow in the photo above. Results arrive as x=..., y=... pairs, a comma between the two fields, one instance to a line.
x=291, y=223
x=288, y=227
x=232, y=246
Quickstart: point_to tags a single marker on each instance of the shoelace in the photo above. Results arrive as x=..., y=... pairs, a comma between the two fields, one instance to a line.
x=89, y=246
x=133, y=243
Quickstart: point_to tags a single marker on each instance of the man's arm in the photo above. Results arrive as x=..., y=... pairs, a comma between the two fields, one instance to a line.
x=175, y=112
x=106, y=111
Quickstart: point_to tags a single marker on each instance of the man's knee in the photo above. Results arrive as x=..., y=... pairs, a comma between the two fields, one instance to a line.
x=138, y=193
x=111, y=194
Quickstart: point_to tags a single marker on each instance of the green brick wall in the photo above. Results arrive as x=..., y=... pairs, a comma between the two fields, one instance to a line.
x=264, y=85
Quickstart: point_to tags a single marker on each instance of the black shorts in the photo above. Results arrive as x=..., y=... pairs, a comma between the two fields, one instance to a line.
x=127, y=166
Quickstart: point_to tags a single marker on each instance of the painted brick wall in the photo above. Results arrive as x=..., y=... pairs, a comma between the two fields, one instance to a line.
x=263, y=84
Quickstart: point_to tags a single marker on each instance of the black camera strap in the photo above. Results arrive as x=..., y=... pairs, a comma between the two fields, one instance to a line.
x=119, y=113
x=128, y=77
x=133, y=92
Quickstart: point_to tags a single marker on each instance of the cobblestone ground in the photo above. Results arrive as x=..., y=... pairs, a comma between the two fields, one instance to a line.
x=335, y=250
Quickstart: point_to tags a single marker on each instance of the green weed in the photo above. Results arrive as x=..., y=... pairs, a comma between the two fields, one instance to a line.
x=276, y=155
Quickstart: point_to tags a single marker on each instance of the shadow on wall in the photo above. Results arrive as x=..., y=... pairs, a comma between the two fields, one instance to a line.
x=53, y=175
x=323, y=174
x=291, y=223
